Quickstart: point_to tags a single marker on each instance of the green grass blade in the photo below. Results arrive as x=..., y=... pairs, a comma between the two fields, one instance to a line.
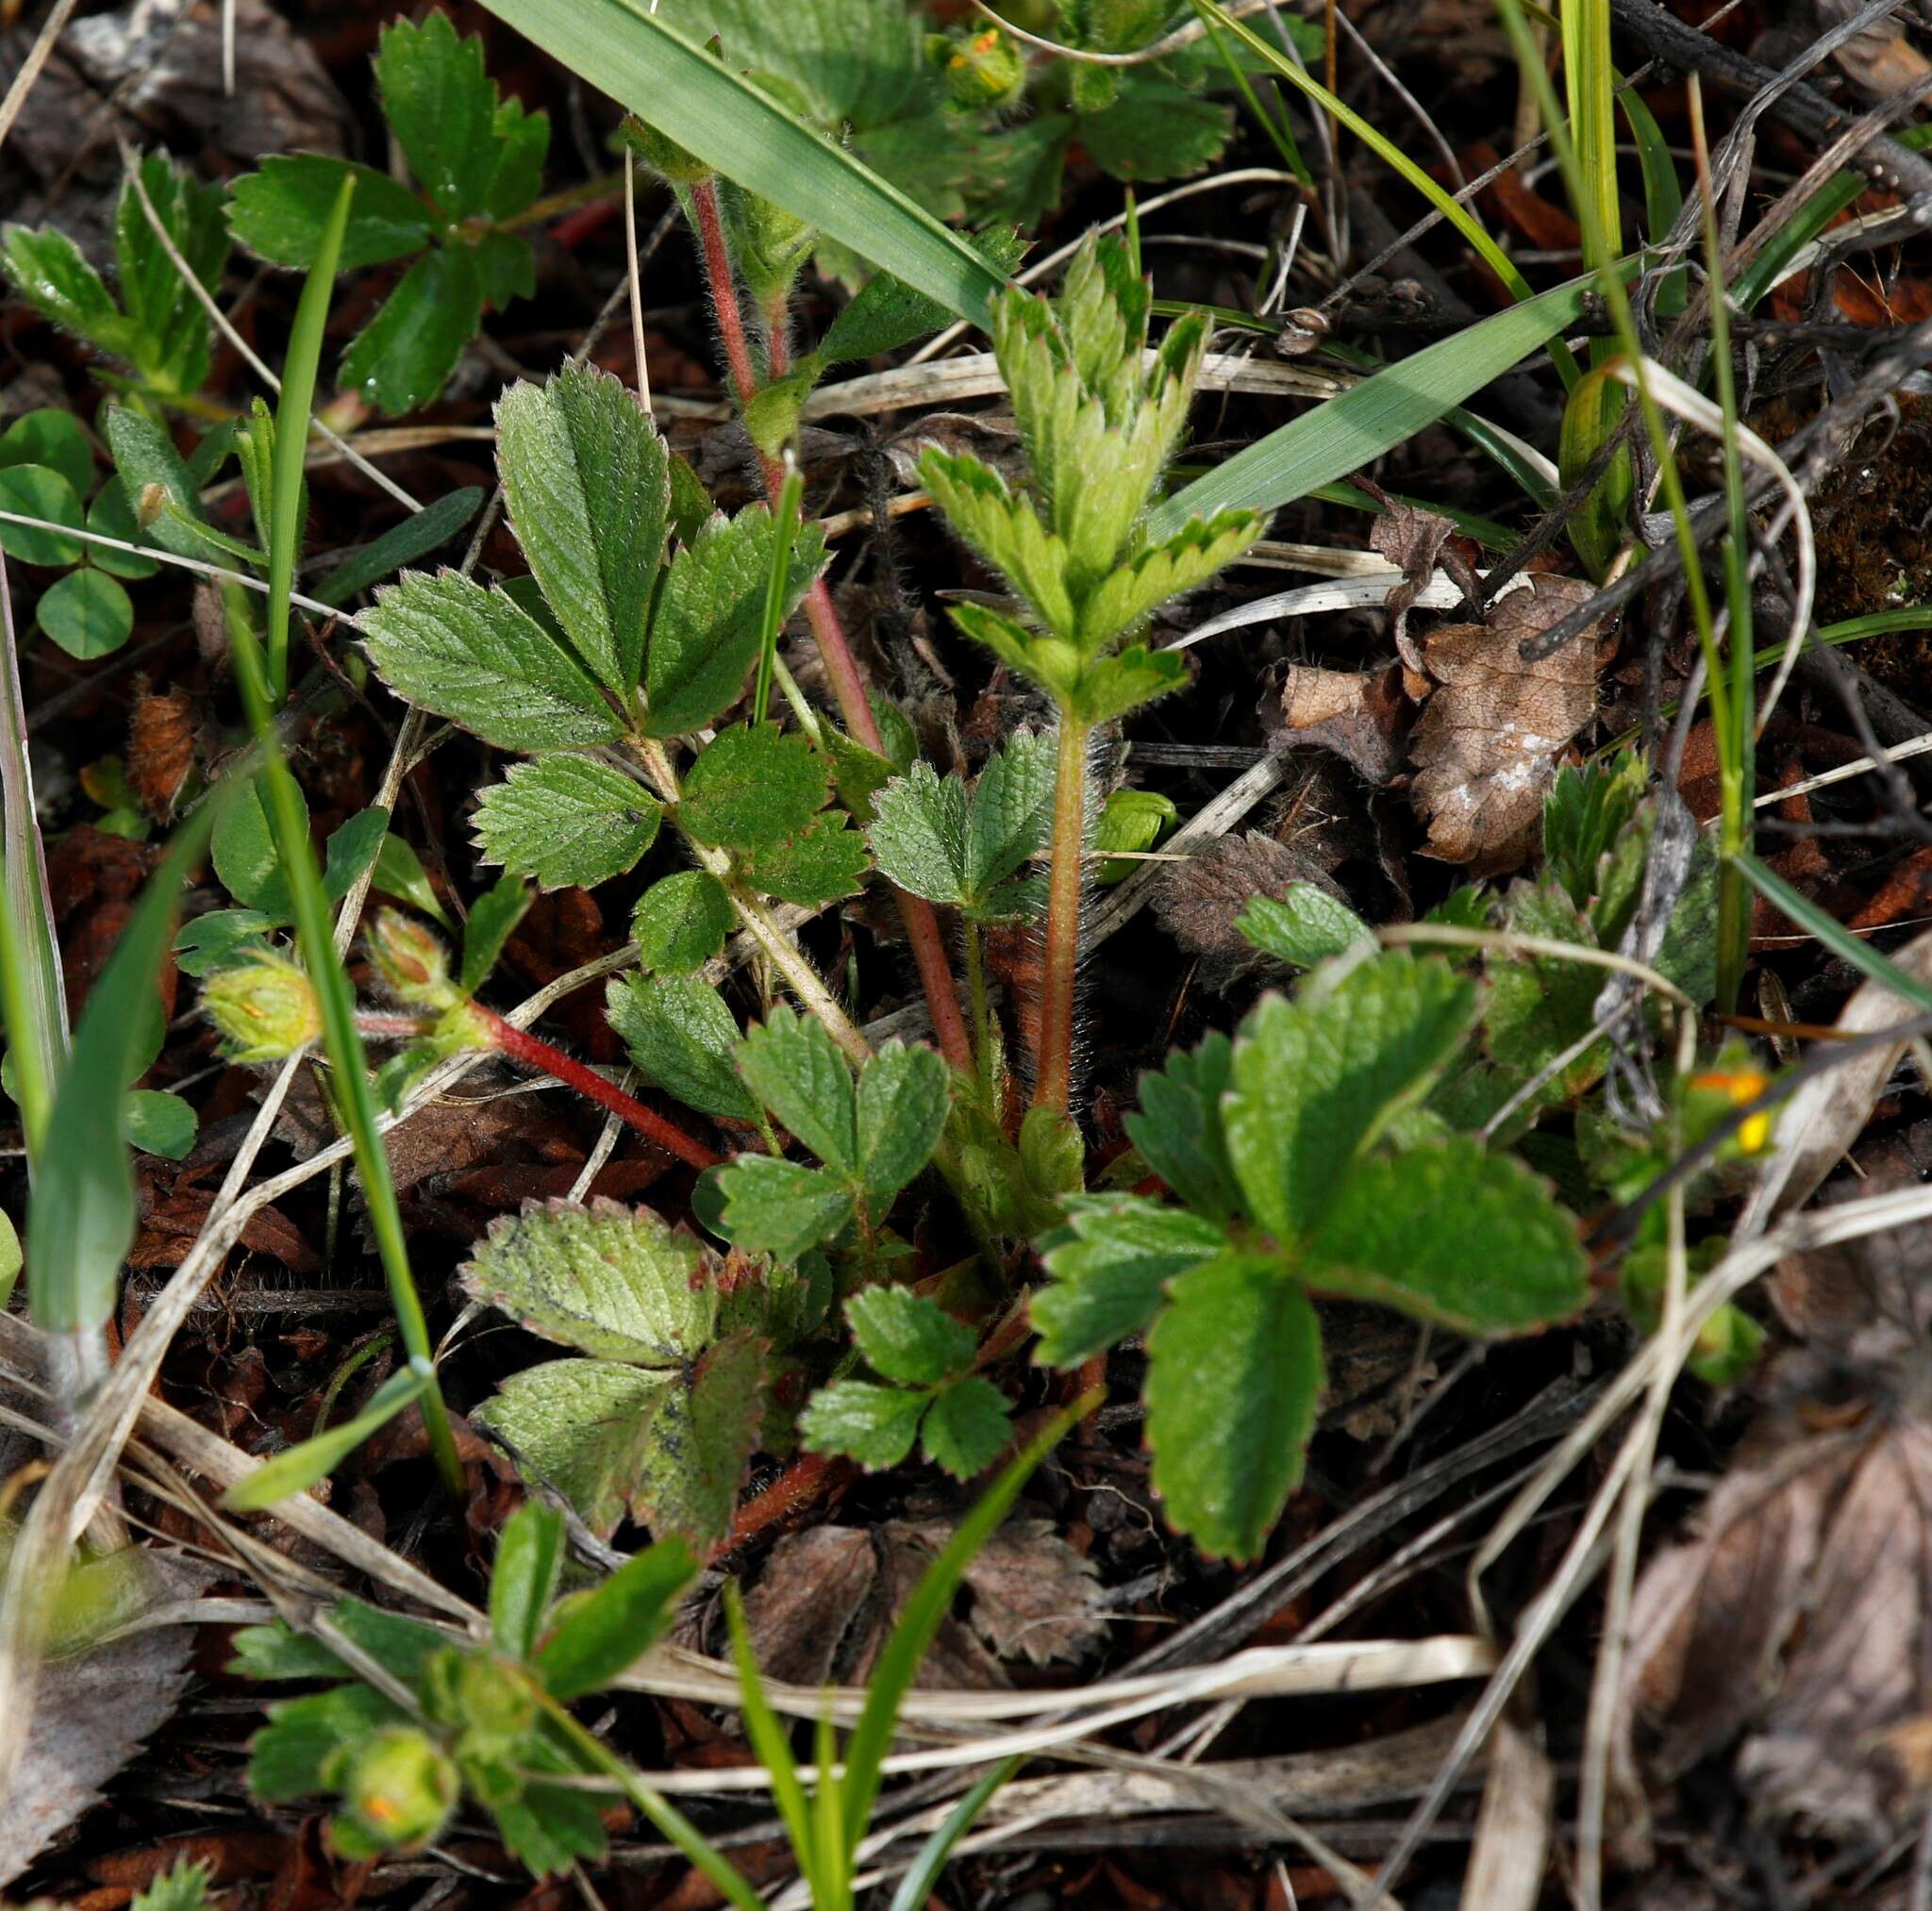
x=643, y=64
x=1280, y=134
x=1833, y=934
x=292, y=433
x=932, y=1598
x=768, y=1741
x=1663, y=198
x=1349, y=432
x=783, y=536
x=922, y=1881
x=298, y=1467
x=81, y=1221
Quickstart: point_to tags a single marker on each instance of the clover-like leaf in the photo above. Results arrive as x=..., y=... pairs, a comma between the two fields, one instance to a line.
x=680, y=1036
x=588, y=481
x=754, y=787
x=566, y=822
x=1452, y=1234
x=1318, y=1078
x=681, y=922
x=709, y=623
x=472, y=656
x=793, y=1066
x=874, y=1426
x=1234, y=1372
x=613, y=1281
x=1110, y=1267
x=903, y=1098
x=782, y=1208
x=909, y=1338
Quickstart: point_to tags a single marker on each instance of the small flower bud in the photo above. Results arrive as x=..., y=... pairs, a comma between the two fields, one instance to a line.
x=987, y=70
x=265, y=1008
x=398, y=1789
x=412, y=962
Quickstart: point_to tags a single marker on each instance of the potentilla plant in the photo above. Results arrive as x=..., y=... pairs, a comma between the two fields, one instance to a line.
x=1099, y=416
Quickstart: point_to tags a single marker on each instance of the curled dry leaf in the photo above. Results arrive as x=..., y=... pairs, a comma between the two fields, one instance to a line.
x=1198, y=900
x=1486, y=748
x=1799, y=1615
x=1413, y=542
x=1362, y=716
x=160, y=748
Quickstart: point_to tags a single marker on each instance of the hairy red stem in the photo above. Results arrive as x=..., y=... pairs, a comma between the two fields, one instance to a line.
x=1053, y=1082
x=842, y=667
x=519, y=1045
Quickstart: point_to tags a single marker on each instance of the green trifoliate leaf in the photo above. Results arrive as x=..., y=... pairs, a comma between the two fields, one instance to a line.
x=793, y=1066
x=470, y=654
x=1111, y=686
x=588, y=482
x=709, y=623
x=680, y=923
x=1234, y=1372
x=566, y=822
x=782, y=1208
x=493, y=918
x=1318, y=1078
x=1110, y=1266
x=903, y=1098
x=278, y=213
x=1005, y=531
x=85, y=613
x=441, y=104
x=905, y=1337
x=874, y=1426
x=827, y=860
x=966, y=1426
x=1451, y=1234
x=930, y=838
x=1302, y=927
x=36, y=490
x=1179, y=1127
x=52, y=438
x=754, y=787
x=1126, y=596
x=403, y=357
x=680, y=1036
x=613, y=1281
x=580, y=1427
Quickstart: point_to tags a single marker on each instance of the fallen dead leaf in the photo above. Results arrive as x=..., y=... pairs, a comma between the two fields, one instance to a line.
x=1486, y=748
x=1362, y=716
x=160, y=748
x=1198, y=900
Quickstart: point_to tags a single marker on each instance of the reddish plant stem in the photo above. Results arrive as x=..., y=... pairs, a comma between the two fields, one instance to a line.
x=842, y=667
x=533, y=1051
x=1054, y=1084
x=807, y=1480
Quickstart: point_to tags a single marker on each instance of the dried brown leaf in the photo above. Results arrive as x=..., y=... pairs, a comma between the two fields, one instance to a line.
x=1485, y=751
x=1034, y=1597
x=1198, y=900
x=1362, y=716
x=160, y=748
x=812, y=1590
x=1411, y=540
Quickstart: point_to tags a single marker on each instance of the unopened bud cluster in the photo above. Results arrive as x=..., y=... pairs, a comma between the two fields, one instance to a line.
x=265, y=1007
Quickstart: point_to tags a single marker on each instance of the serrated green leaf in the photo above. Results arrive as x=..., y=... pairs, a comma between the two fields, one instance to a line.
x=1303, y=926
x=441, y=104
x=1110, y=1266
x=1179, y=1127
x=1155, y=130
x=917, y=834
x=793, y=1066
x=709, y=621
x=470, y=654
x=680, y=1036
x=522, y=143
x=523, y=1576
x=53, y=438
x=566, y=822
x=905, y=1337
x=903, y=1098
x=700, y=1443
x=181, y=1888
x=874, y=1426
x=170, y=326
x=680, y=923
x=1584, y=815
x=754, y=786
x=506, y=268
x=580, y=1427
x=1451, y=1234
x=588, y=482
x=278, y=213
x=85, y=613
x=781, y=1208
x=1012, y=804
x=415, y=537
x=825, y=861
x=1111, y=686
x=403, y=357
x=493, y=918
x=615, y=1282
x=1538, y=1005
x=34, y=491
x=48, y=271
x=601, y=1635
x=1234, y=1372
x=1004, y=530
x=966, y=1426
x=1184, y=562
x=1317, y=1079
